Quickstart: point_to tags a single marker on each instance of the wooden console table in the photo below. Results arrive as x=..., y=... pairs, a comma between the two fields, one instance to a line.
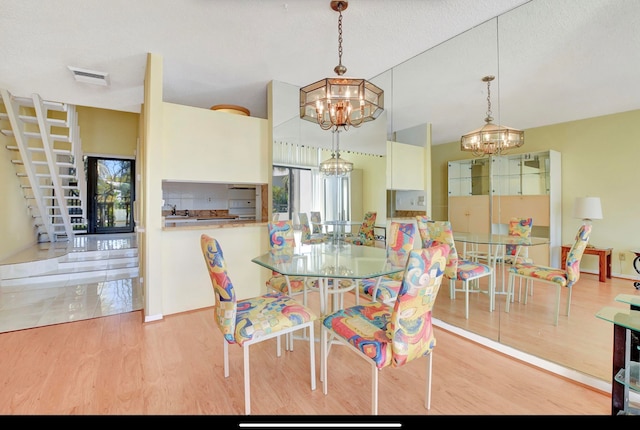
x=604, y=255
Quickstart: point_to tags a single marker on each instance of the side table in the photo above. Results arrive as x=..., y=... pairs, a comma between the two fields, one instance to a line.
x=626, y=354
x=604, y=256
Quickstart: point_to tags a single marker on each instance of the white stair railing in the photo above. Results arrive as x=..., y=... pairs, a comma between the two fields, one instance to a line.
x=51, y=161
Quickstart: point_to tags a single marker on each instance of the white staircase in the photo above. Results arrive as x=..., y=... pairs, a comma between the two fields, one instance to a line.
x=48, y=160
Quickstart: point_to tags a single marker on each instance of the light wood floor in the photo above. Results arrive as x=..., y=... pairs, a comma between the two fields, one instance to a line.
x=580, y=341
x=118, y=365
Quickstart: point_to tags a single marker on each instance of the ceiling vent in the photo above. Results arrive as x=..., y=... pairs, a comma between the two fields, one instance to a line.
x=90, y=76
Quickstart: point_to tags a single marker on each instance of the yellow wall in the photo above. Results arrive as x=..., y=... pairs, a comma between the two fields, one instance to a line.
x=599, y=158
x=187, y=143
x=16, y=226
x=108, y=132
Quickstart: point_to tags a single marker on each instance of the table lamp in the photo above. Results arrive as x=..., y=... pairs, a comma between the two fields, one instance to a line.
x=587, y=209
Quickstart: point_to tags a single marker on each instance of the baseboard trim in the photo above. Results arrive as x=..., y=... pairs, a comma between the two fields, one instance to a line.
x=582, y=378
x=151, y=318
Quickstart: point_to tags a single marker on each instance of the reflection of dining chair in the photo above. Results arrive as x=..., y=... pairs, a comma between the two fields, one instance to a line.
x=248, y=321
x=391, y=336
x=514, y=254
x=421, y=223
x=399, y=243
x=566, y=277
x=281, y=238
x=365, y=234
x=307, y=237
x=316, y=221
x=466, y=271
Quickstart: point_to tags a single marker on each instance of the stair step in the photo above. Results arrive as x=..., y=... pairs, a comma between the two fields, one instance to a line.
x=55, y=122
x=87, y=265
x=28, y=102
x=38, y=135
x=64, y=152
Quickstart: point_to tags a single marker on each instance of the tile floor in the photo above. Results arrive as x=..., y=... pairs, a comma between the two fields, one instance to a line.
x=71, y=294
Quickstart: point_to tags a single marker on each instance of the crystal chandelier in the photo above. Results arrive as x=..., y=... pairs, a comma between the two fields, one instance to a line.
x=491, y=139
x=336, y=166
x=340, y=102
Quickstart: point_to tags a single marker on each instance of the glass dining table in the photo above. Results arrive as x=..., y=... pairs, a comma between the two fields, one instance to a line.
x=338, y=229
x=331, y=262
x=495, y=244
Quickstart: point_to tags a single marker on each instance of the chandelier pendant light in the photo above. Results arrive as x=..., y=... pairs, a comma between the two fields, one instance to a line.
x=491, y=139
x=340, y=102
x=336, y=166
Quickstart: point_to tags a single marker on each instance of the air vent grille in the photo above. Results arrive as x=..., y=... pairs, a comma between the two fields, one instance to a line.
x=90, y=76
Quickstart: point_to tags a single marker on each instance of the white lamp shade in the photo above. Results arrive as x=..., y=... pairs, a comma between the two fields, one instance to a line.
x=587, y=208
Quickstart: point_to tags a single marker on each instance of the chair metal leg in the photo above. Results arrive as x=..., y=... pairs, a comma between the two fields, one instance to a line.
x=374, y=389
x=247, y=382
x=558, y=290
x=427, y=398
x=225, y=348
x=323, y=356
x=312, y=356
x=466, y=298
x=509, y=291
x=278, y=344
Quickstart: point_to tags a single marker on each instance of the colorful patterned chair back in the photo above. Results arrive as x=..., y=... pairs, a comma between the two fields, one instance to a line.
x=225, y=306
x=439, y=232
x=518, y=227
x=400, y=240
x=306, y=227
x=281, y=235
x=281, y=238
x=421, y=222
x=316, y=219
x=366, y=234
x=575, y=254
x=410, y=326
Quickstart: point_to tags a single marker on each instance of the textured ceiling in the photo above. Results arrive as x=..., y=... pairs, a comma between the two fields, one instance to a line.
x=557, y=60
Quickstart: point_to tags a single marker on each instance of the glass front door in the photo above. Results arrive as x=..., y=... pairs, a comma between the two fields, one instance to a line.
x=110, y=188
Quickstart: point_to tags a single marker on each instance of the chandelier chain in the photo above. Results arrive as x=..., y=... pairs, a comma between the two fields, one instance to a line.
x=340, y=35
x=489, y=100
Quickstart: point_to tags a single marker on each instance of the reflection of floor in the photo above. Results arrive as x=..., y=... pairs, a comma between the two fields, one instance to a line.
x=580, y=341
x=50, y=283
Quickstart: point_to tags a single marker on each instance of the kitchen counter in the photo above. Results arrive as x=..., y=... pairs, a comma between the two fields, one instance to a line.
x=192, y=223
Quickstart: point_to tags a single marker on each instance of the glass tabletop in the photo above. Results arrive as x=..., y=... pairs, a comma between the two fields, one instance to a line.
x=340, y=222
x=327, y=260
x=623, y=317
x=498, y=239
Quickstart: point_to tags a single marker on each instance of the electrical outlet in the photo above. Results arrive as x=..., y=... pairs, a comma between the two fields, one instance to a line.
x=622, y=256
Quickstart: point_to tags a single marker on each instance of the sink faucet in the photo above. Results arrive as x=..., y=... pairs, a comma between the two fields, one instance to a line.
x=173, y=209
x=186, y=212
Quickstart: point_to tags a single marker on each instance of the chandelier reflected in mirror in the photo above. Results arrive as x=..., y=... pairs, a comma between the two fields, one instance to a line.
x=491, y=139
x=336, y=165
x=340, y=102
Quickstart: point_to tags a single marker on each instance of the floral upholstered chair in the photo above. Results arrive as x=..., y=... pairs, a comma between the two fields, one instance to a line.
x=248, y=321
x=566, y=277
x=520, y=227
x=282, y=241
x=316, y=221
x=307, y=236
x=466, y=271
x=514, y=254
x=421, y=223
x=391, y=336
x=365, y=234
x=399, y=243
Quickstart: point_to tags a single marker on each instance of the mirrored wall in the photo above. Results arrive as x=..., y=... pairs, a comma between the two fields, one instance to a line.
x=427, y=97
